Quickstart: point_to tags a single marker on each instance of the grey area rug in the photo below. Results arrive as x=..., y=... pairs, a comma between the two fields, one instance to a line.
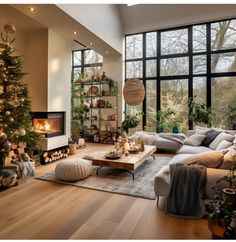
x=120, y=181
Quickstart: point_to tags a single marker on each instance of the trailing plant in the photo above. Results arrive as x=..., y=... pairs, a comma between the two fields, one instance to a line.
x=199, y=113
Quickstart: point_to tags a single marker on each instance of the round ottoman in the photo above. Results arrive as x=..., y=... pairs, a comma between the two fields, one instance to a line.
x=73, y=169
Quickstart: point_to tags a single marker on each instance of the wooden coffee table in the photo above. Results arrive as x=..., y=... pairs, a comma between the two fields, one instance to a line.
x=128, y=163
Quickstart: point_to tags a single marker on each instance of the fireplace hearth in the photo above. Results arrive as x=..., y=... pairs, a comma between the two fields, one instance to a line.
x=49, y=124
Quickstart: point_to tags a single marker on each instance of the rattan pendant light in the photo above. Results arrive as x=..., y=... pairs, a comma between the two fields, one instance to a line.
x=133, y=92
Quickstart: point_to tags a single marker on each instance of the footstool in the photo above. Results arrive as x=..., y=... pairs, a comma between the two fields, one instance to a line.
x=73, y=169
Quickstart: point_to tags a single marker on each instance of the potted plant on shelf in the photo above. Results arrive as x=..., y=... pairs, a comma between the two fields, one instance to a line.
x=131, y=121
x=222, y=209
x=199, y=113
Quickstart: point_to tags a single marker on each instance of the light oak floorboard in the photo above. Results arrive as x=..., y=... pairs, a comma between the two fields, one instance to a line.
x=46, y=210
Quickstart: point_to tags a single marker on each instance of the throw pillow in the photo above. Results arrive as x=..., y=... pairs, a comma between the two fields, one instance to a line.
x=201, y=130
x=194, y=140
x=222, y=136
x=212, y=159
x=229, y=159
x=211, y=135
x=224, y=144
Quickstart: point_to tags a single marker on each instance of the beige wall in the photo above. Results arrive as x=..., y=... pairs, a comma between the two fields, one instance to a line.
x=36, y=64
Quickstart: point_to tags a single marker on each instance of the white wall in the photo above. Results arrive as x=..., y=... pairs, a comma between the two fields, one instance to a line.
x=35, y=62
x=101, y=19
x=145, y=17
x=112, y=65
x=59, y=75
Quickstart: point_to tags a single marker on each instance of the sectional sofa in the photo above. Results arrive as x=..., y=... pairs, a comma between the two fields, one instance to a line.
x=213, y=148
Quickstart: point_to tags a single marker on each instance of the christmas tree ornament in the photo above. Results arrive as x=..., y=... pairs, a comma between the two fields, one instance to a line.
x=7, y=145
x=7, y=113
x=21, y=99
x=2, y=75
x=9, y=28
x=3, y=137
x=1, y=90
x=21, y=132
x=11, y=120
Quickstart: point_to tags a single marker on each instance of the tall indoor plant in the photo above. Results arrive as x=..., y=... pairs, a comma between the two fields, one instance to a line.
x=199, y=113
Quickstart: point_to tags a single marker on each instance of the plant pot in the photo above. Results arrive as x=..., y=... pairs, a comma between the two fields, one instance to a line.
x=229, y=195
x=217, y=227
x=175, y=130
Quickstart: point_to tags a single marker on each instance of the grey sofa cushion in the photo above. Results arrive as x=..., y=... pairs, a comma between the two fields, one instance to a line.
x=211, y=135
x=188, y=149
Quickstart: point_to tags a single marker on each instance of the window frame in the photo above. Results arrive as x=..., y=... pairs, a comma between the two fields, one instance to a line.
x=190, y=54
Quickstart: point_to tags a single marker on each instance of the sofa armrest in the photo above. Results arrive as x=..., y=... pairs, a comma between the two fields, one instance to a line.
x=162, y=182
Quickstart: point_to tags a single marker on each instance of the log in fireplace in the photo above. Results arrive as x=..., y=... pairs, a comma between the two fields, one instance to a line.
x=50, y=124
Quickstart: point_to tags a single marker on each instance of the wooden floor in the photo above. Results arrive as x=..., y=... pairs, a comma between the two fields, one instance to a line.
x=46, y=210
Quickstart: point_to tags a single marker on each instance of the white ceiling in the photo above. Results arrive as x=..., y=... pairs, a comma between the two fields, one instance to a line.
x=145, y=17
x=136, y=18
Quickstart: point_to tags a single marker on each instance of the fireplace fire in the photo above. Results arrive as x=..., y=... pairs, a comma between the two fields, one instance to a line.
x=50, y=124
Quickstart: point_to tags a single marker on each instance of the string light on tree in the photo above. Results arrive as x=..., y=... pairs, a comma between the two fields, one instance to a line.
x=15, y=122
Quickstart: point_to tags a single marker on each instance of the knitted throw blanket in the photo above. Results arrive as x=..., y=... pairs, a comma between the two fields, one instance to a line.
x=186, y=190
x=179, y=138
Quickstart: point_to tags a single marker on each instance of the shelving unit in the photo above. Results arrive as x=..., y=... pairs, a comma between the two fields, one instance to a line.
x=99, y=124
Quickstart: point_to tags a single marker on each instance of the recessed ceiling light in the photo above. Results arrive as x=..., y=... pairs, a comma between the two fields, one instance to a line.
x=106, y=52
x=91, y=43
x=32, y=9
x=74, y=32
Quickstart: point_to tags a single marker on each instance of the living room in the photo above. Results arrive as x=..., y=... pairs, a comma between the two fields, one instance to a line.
x=102, y=105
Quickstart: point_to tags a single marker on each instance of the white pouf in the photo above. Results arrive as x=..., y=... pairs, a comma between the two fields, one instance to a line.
x=73, y=169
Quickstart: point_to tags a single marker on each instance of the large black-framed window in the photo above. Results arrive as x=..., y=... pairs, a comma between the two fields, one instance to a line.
x=195, y=61
x=86, y=62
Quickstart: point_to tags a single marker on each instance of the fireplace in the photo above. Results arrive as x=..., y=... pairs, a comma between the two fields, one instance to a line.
x=50, y=124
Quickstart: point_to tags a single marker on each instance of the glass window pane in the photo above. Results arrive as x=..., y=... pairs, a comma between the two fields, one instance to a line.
x=175, y=66
x=151, y=44
x=151, y=68
x=134, y=46
x=93, y=70
x=151, y=107
x=225, y=62
x=199, y=89
x=199, y=38
x=77, y=58
x=173, y=42
x=76, y=73
x=223, y=97
x=174, y=96
x=134, y=69
x=199, y=64
x=90, y=57
x=223, y=35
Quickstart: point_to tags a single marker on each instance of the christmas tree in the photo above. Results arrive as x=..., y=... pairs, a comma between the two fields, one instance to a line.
x=15, y=105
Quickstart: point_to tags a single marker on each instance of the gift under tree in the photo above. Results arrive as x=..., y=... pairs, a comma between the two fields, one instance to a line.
x=16, y=132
